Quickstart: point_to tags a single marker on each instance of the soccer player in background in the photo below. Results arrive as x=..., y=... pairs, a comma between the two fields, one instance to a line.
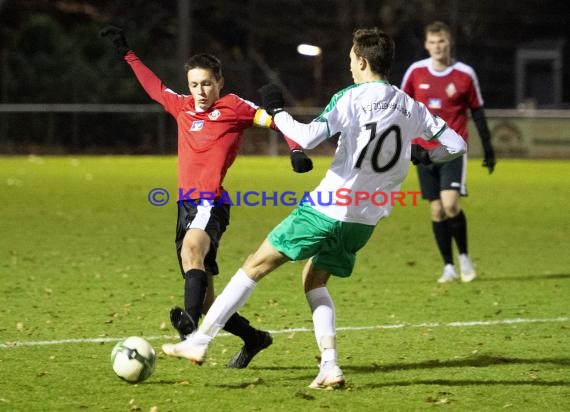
x=210, y=132
x=448, y=88
x=377, y=123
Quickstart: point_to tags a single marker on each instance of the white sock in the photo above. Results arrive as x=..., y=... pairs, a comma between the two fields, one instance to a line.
x=324, y=318
x=232, y=298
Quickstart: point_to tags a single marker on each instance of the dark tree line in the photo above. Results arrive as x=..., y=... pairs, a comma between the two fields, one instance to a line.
x=50, y=51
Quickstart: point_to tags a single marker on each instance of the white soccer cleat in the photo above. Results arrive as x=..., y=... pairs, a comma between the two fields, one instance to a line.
x=467, y=270
x=330, y=377
x=448, y=274
x=196, y=354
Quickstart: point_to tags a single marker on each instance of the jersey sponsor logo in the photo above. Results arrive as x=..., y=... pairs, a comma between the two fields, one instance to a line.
x=376, y=106
x=197, y=125
x=424, y=86
x=214, y=114
x=434, y=103
x=450, y=90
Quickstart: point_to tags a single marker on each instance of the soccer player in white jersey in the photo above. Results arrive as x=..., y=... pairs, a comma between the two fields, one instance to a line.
x=448, y=88
x=377, y=123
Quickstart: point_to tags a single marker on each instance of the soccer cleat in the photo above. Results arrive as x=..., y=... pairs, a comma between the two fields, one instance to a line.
x=248, y=351
x=182, y=322
x=188, y=349
x=467, y=270
x=448, y=274
x=330, y=377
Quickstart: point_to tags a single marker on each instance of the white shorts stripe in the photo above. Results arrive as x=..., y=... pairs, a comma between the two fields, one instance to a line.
x=202, y=217
x=463, y=188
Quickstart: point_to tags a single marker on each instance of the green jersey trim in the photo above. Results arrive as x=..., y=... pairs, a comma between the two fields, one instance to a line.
x=435, y=136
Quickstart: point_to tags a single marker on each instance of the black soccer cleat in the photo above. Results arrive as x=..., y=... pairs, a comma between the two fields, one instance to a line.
x=182, y=322
x=248, y=351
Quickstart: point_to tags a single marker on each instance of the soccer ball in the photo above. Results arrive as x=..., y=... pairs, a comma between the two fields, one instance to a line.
x=133, y=359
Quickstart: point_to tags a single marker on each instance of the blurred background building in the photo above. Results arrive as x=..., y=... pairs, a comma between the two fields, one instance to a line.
x=63, y=89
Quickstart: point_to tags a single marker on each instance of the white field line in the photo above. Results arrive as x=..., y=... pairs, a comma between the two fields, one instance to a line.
x=16, y=344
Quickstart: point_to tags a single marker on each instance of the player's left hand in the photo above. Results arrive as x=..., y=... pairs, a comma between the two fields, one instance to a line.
x=489, y=159
x=272, y=99
x=419, y=155
x=300, y=161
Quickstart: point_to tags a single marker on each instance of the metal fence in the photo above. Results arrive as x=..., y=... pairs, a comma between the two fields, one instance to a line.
x=147, y=129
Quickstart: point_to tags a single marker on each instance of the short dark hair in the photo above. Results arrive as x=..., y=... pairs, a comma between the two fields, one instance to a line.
x=205, y=61
x=376, y=47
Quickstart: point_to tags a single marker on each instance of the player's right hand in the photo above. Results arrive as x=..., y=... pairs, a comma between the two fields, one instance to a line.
x=117, y=37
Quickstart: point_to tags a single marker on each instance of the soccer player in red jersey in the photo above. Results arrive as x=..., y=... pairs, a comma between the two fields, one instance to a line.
x=448, y=88
x=210, y=132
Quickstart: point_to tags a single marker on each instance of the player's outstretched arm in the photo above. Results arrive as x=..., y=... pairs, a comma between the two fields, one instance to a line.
x=150, y=82
x=488, y=152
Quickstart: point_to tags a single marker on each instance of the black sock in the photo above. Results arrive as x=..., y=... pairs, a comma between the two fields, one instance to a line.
x=458, y=229
x=195, y=285
x=239, y=326
x=443, y=240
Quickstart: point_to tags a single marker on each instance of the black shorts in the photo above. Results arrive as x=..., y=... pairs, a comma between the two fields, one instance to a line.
x=212, y=219
x=436, y=177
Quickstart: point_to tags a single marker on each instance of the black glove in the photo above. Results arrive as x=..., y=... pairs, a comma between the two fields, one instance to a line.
x=272, y=99
x=489, y=158
x=300, y=161
x=420, y=155
x=117, y=37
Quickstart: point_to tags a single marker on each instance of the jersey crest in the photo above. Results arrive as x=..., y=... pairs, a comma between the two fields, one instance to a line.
x=214, y=114
x=450, y=90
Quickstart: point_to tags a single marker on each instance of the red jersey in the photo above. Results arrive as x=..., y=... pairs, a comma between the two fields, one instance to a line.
x=447, y=94
x=208, y=141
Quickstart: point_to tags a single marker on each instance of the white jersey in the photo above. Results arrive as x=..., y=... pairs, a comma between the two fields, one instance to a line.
x=376, y=122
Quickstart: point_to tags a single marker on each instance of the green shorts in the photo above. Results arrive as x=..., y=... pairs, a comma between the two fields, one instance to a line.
x=332, y=244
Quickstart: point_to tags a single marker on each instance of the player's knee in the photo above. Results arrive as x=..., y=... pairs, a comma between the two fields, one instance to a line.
x=437, y=213
x=192, y=256
x=451, y=210
x=195, y=248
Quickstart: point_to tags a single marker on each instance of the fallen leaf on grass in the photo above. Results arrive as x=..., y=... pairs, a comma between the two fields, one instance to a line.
x=252, y=384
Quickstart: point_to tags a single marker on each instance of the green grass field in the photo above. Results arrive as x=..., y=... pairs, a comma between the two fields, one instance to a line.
x=86, y=260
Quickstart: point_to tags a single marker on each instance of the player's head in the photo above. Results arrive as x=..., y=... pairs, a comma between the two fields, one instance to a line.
x=205, y=80
x=438, y=41
x=373, y=50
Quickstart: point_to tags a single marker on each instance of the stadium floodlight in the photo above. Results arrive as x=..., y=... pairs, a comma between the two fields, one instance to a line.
x=317, y=56
x=309, y=50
